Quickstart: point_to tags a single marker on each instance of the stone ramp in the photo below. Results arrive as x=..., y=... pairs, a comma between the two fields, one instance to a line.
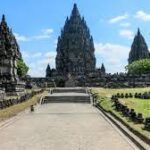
x=67, y=95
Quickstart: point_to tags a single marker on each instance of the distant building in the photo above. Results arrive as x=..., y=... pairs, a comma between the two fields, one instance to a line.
x=75, y=47
x=103, y=70
x=139, y=48
x=48, y=71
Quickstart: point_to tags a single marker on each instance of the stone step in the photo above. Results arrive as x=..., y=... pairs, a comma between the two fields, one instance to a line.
x=69, y=90
x=66, y=99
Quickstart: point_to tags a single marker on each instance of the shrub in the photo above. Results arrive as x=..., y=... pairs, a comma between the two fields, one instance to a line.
x=139, y=67
x=22, y=68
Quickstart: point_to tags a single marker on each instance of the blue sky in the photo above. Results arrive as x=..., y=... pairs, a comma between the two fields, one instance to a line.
x=113, y=24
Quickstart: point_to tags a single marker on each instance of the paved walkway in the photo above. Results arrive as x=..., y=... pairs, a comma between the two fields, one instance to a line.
x=62, y=127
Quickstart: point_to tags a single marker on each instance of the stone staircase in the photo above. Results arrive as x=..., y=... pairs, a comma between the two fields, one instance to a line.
x=69, y=90
x=67, y=95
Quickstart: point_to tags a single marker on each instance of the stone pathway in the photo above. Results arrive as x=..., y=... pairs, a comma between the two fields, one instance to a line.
x=62, y=127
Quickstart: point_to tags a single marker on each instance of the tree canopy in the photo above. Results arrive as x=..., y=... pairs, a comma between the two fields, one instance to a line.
x=139, y=67
x=22, y=68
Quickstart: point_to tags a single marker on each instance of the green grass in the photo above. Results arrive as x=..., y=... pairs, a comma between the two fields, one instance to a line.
x=109, y=92
x=15, y=109
x=140, y=105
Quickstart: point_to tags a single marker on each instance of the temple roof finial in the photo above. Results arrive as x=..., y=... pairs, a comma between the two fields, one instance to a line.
x=75, y=11
x=138, y=33
x=3, y=21
x=75, y=5
x=103, y=70
x=3, y=18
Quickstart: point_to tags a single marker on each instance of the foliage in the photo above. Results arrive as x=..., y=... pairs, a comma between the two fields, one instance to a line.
x=22, y=68
x=139, y=67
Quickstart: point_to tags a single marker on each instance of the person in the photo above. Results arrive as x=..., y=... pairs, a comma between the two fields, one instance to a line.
x=32, y=108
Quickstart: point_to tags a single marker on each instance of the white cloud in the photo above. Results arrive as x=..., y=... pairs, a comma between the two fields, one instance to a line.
x=142, y=15
x=55, y=42
x=45, y=34
x=126, y=33
x=47, y=31
x=38, y=61
x=118, y=18
x=114, y=56
x=21, y=37
x=36, y=55
x=39, y=37
x=26, y=54
x=51, y=54
x=125, y=25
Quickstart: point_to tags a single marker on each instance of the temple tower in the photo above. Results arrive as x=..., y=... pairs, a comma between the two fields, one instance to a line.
x=9, y=54
x=139, y=48
x=75, y=47
x=48, y=71
x=103, y=70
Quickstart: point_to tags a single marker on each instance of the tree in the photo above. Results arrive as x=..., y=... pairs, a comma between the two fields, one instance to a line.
x=22, y=68
x=139, y=67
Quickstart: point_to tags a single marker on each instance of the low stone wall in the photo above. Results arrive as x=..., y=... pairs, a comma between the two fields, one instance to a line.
x=2, y=94
x=39, y=82
x=116, y=81
x=107, y=81
x=12, y=101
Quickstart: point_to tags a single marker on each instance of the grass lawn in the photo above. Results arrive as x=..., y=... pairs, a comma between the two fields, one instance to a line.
x=140, y=105
x=15, y=109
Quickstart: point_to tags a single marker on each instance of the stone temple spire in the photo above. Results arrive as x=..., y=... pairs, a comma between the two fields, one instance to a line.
x=48, y=71
x=9, y=52
x=75, y=11
x=4, y=23
x=139, y=48
x=103, y=70
x=4, y=37
x=138, y=32
x=8, y=45
x=3, y=18
x=75, y=48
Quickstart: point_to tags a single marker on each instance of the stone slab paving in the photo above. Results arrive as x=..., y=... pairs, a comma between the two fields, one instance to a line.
x=62, y=127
